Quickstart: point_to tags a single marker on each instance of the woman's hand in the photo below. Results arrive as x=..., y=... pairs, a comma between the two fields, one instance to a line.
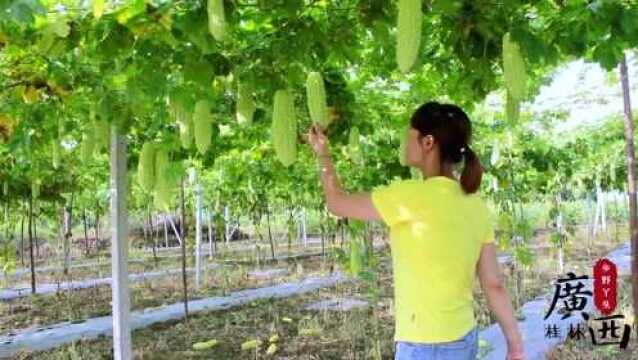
x=516, y=355
x=318, y=140
x=515, y=348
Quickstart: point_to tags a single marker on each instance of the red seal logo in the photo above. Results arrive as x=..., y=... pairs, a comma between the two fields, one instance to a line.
x=605, y=286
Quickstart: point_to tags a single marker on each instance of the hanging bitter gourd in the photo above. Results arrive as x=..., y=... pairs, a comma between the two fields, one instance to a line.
x=101, y=129
x=186, y=131
x=146, y=167
x=87, y=146
x=409, y=21
x=35, y=188
x=353, y=138
x=284, y=127
x=162, y=184
x=203, y=126
x=216, y=19
x=55, y=153
x=354, y=144
x=512, y=108
x=245, y=105
x=403, y=141
x=496, y=154
x=184, y=123
x=316, y=94
x=102, y=132
x=61, y=128
x=174, y=174
x=514, y=69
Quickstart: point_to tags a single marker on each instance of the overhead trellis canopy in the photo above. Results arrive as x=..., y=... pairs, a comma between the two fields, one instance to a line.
x=193, y=84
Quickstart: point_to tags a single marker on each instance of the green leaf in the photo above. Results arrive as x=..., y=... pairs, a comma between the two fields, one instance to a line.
x=20, y=11
x=60, y=28
x=46, y=42
x=606, y=56
x=449, y=7
x=98, y=8
x=134, y=8
x=524, y=255
x=193, y=27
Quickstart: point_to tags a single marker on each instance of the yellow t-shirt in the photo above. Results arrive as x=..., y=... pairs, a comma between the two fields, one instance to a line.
x=436, y=233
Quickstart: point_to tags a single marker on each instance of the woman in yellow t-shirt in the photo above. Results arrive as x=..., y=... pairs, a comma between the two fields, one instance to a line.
x=441, y=238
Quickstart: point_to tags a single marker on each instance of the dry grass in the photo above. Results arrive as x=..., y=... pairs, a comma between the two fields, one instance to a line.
x=93, y=302
x=359, y=334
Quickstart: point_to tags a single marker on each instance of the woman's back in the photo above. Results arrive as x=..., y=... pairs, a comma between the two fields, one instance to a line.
x=441, y=237
x=436, y=232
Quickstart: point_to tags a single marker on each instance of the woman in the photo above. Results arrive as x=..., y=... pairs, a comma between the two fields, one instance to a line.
x=441, y=237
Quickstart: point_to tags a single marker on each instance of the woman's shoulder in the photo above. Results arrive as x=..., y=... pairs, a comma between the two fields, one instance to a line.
x=398, y=182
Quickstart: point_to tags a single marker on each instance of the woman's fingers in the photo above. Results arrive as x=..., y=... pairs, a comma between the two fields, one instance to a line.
x=316, y=138
x=317, y=129
x=319, y=133
x=312, y=138
x=516, y=356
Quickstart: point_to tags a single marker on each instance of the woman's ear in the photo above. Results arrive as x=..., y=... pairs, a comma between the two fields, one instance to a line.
x=427, y=142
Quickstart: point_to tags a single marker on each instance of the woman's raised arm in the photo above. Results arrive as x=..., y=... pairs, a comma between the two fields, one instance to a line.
x=340, y=203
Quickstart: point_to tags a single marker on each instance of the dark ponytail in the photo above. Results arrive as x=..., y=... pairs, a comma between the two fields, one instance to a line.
x=472, y=172
x=452, y=130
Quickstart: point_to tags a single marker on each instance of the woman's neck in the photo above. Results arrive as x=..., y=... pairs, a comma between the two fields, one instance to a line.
x=445, y=169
